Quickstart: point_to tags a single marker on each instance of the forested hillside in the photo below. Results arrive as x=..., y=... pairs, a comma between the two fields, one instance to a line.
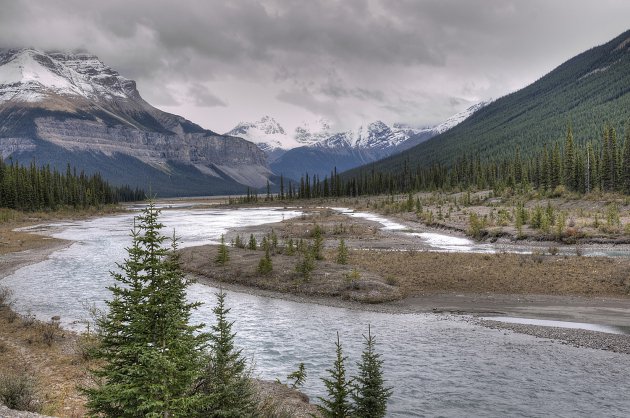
x=589, y=91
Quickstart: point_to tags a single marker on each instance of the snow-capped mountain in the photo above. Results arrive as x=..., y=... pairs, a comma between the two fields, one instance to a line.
x=272, y=138
x=365, y=144
x=31, y=76
x=459, y=117
x=60, y=108
x=266, y=133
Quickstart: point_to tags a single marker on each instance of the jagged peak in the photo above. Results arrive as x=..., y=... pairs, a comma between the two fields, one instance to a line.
x=29, y=74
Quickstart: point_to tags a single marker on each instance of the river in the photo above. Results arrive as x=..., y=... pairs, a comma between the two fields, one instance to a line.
x=438, y=365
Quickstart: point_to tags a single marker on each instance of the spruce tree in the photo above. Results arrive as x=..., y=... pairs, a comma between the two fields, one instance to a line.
x=337, y=404
x=149, y=355
x=265, y=265
x=569, y=161
x=342, y=252
x=252, y=245
x=370, y=395
x=625, y=176
x=223, y=254
x=225, y=381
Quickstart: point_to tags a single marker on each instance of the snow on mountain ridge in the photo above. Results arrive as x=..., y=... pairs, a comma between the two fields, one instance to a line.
x=31, y=75
x=459, y=117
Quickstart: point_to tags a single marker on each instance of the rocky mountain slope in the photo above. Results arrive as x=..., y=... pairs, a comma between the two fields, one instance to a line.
x=315, y=149
x=60, y=108
x=589, y=91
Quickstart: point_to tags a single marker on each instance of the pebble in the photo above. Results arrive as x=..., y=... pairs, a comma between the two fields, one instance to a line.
x=617, y=343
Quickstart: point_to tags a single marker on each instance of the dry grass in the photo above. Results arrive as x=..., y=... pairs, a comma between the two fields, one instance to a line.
x=53, y=363
x=426, y=272
x=328, y=279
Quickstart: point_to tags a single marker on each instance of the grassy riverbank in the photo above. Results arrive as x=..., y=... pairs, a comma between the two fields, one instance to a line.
x=52, y=362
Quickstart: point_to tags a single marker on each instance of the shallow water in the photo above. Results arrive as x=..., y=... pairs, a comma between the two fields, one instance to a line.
x=435, y=241
x=438, y=366
x=559, y=324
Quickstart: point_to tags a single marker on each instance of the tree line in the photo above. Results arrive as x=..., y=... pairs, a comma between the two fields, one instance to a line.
x=598, y=165
x=32, y=188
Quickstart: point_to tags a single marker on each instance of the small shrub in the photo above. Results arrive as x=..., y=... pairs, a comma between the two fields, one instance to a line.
x=553, y=250
x=538, y=256
x=28, y=320
x=391, y=280
x=238, y=242
x=298, y=377
x=352, y=279
x=87, y=343
x=50, y=330
x=18, y=392
x=289, y=248
x=6, y=297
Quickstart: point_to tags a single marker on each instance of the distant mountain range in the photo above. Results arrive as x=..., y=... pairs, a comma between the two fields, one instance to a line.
x=317, y=150
x=60, y=108
x=588, y=92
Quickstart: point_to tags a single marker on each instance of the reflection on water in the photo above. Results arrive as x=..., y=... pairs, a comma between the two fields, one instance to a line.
x=438, y=366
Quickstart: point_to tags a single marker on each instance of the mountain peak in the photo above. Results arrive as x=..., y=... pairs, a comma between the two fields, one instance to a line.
x=30, y=75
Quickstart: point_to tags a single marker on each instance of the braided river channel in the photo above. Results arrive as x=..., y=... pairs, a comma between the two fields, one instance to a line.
x=438, y=365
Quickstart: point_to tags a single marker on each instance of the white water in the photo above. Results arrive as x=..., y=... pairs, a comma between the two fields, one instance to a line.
x=438, y=366
x=432, y=240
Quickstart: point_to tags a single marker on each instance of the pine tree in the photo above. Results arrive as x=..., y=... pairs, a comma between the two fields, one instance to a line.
x=265, y=265
x=342, y=252
x=223, y=254
x=225, y=381
x=569, y=161
x=337, y=405
x=370, y=395
x=252, y=245
x=625, y=176
x=149, y=353
x=289, y=248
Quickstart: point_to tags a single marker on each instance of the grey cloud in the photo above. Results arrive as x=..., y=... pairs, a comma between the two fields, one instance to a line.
x=202, y=97
x=353, y=58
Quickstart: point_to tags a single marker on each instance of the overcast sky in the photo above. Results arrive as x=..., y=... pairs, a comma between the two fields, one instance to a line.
x=349, y=61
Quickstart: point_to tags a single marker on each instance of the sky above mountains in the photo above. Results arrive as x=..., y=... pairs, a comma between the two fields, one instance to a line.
x=418, y=62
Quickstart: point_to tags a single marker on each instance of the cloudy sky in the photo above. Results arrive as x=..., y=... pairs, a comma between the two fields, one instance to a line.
x=349, y=61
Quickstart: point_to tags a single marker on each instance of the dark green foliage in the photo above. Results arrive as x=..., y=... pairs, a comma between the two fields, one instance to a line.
x=370, y=393
x=225, y=381
x=318, y=246
x=33, y=188
x=337, y=404
x=289, y=248
x=150, y=355
x=298, y=377
x=273, y=239
x=588, y=89
x=265, y=266
x=342, y=252
x=238, y=242
x=252, y=245
x=598, y=165
x=223, y=254
x=625, y=176
x=306, y=262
